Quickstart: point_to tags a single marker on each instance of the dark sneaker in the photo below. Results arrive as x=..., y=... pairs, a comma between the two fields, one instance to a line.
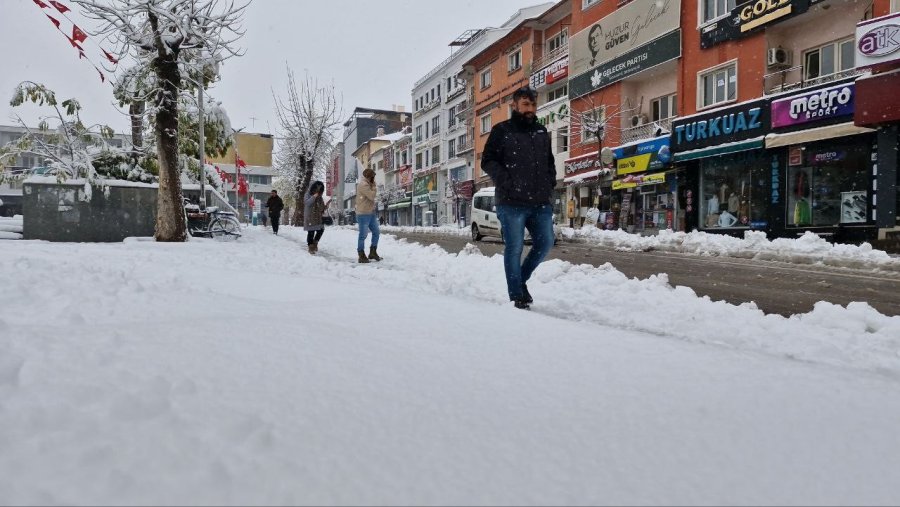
x=526, y=296
x=522, y=305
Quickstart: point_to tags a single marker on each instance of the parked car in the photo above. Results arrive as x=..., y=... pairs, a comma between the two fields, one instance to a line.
x=485, y=222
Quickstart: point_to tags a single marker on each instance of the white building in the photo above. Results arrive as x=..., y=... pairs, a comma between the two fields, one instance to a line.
x=442, y=172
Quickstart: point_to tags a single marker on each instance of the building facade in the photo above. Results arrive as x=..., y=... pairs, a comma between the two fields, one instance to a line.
x=255, y=150
x=729, y=117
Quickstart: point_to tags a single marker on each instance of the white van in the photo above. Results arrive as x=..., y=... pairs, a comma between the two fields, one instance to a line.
x=485, y=221
x=484, y=215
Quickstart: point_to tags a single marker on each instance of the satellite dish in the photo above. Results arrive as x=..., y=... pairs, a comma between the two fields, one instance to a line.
x=606, y=156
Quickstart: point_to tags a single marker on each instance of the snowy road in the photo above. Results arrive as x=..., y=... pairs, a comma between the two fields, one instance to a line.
x=776, y=287
x=250, y=373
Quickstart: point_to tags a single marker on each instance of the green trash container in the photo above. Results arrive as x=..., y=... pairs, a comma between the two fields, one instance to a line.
x=256, y=219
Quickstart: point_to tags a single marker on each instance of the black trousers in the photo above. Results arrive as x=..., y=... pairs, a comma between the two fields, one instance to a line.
x=314, y=236
x=276, y=218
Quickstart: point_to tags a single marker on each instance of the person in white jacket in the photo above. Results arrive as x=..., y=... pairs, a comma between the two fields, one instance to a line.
x=365, y=216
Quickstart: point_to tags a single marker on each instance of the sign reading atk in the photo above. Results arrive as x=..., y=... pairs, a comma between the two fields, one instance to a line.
x=878, y=41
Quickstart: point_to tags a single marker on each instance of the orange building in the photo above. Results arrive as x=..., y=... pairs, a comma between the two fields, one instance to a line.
x=498, y=71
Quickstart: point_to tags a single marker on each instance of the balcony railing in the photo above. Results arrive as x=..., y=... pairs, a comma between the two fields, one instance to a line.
x=795, y=79
x=463, y=148
x=463, y=109
x=550, y=57
x=648, y=130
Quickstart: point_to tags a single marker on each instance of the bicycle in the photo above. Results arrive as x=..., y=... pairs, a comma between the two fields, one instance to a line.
x=210, y=223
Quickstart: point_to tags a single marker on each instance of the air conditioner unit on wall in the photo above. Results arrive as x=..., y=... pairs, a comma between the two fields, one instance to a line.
x=638, y=120
x=779, y=57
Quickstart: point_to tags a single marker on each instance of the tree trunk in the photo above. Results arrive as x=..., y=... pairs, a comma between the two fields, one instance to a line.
x=170, y=223
x=136, y=111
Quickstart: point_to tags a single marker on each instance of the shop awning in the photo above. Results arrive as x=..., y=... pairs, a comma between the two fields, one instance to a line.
x=401, y=204
x=585, y=177
x=721, y=149
x=817, y=134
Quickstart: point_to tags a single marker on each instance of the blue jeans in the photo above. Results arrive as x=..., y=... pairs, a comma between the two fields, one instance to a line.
x=367, y=223
x=514, y=220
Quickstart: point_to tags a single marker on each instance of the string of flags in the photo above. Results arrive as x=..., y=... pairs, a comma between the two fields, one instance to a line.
x=76, y=36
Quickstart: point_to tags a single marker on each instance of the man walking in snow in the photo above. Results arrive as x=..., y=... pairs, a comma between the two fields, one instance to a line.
x=275, y=205
x=519, y=159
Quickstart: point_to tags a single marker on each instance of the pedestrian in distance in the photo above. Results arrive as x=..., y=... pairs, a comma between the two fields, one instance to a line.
x=365, y=216
x=262, y=216
x=519, y=159
x=275, y=205
x=313, y=211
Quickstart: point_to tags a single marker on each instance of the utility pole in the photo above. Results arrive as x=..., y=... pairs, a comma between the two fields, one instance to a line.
x=202, y=123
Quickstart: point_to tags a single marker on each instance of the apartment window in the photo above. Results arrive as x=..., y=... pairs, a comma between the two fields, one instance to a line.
x=588, y=3
x=451, y=149
x=558, y=93
x=486, y=79
x=562, y=140
x=404, y=157
x=591, y=121
x=451, y=117
x=419, y=134
x=436, y=125
x=662, y=108
x=438, y=91
x=718, y=85
x=829, y=59
x=515, y=61
x=486, y=124
x=427, y=131
x=558, y=41
x=713, y=9
x=461, y=141
x=436, y=155
x=418, y=161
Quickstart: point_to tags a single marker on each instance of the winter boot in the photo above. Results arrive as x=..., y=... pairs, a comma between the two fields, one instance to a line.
x=373, y=254
x=521, y=304
x=362, y=257
x=316, y=247
x=312, y=248
x=526, y=296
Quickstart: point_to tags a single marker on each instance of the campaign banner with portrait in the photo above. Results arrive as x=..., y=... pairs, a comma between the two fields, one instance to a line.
x=625, y=30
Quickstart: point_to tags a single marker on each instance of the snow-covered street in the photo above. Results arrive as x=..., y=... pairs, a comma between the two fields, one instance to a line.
x=248, y=372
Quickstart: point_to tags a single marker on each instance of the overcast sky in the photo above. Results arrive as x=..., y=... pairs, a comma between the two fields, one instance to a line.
x=373, y=51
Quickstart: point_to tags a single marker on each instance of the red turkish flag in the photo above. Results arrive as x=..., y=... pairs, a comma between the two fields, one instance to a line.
x=53, y=20
x=59, y=6
x=240, y=162
x=40, y=4
x=110, y=57
x=78, y=34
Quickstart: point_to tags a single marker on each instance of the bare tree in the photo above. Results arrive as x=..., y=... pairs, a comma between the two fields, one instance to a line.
x=309, y=117
x=173, y=41
x=594, y=122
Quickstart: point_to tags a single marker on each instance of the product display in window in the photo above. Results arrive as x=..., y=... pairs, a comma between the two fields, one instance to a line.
x=828, y=189
x=733, y=191
x=853, y=207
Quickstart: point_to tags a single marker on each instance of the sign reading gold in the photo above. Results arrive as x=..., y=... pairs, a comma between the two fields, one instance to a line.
x=761, y=12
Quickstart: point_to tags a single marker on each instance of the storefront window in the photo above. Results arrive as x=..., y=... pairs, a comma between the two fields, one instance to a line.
x=829, y=187
x=733, y=191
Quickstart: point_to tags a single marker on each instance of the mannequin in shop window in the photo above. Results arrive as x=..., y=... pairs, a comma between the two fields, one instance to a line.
x=712, y=212
x=802, y=208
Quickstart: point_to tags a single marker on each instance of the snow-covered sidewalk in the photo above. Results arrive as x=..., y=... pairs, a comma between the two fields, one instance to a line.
x=249, y=372
x=807, y=249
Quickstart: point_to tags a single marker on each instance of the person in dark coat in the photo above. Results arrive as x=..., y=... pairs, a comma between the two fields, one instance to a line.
x=313, y=209
x=519, y=159
x=275, y=205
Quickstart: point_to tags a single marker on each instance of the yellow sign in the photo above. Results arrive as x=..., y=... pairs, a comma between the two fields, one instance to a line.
x=636, y=164
x=639, y=181
x=761, y=12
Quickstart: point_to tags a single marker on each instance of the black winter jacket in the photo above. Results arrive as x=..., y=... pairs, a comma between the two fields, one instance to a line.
x=275, y=205
x=519, y=158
